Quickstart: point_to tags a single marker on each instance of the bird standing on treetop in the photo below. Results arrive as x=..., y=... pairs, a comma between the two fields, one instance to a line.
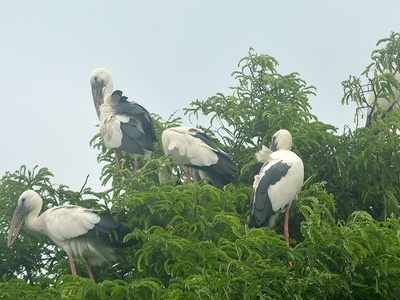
x=382, y=106
x=193, y=149
x=278, y=182
x=79, y=231
x=124, y=125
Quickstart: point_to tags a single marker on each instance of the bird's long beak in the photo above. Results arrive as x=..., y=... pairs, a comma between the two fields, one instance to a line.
x=15, y=225
x=97, y=97
x=95, y=91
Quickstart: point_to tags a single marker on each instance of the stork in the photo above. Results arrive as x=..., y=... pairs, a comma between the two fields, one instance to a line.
x=381, y=106
x=124, y=125
x=193, y=149
x=75, y=229
x=277, y=184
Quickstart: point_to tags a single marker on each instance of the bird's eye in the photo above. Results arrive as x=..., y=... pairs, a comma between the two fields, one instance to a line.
x=23, y=200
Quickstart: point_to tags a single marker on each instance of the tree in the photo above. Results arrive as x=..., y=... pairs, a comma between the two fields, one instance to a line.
x=379, y=80
x=191, y=241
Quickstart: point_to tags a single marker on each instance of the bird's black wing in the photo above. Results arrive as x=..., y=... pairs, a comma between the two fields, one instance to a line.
x=138, y=132
x=108, y=232
x=261, y=207
x=225, y=170
x=201, y=135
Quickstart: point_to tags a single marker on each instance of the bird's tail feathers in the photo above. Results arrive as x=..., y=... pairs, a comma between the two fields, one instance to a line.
x=110, y=233
x=99, y=254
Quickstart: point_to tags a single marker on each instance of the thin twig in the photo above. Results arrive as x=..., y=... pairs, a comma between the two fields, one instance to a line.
x=107, y=191
x=83, y=186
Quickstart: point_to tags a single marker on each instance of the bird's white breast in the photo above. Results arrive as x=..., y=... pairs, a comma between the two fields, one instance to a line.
x=110, y=128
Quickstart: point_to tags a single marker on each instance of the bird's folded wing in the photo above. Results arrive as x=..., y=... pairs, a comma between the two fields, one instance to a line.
x=139, y=116
x=262, y=206
x=70, y=221
x=203, y=139
x=130, y=109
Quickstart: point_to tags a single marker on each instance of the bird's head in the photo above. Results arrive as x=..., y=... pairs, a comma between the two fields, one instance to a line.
x=28, y=201
x=101, y=83
x=281, y=140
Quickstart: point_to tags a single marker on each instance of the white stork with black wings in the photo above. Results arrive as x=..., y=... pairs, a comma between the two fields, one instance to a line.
x=77, y=230
x=124, y=125
x=278, y=182
x=192, y=148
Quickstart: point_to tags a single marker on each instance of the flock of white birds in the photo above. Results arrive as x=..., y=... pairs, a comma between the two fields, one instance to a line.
x=127, y=126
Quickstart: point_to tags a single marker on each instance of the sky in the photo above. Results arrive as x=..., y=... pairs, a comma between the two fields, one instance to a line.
x=163, y=54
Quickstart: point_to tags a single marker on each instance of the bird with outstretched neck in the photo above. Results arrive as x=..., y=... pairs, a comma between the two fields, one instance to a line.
x=81, y=232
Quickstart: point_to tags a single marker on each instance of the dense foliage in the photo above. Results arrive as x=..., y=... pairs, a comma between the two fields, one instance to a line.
x=191, y=241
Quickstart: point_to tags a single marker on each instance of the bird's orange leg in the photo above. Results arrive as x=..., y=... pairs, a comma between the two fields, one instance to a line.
x=88, y=269
x=190, y=174
x=286, y=226
x=72, y=265
x=117, y=160
x=135, y=165
x=286, y=232
x=116, y=155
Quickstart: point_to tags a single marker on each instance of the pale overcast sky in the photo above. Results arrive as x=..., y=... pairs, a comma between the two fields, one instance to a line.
x=163, y=54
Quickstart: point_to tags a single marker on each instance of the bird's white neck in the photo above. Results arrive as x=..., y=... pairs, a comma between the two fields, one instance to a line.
x=106, y=111
x=107, y=90
x=104, y=95
x=33, y=221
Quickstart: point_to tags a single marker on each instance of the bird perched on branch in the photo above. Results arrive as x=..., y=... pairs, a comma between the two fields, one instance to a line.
x=278, y=182
x=81, y=232
x=194, y=150
x=124, y=125
x=381, y=106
